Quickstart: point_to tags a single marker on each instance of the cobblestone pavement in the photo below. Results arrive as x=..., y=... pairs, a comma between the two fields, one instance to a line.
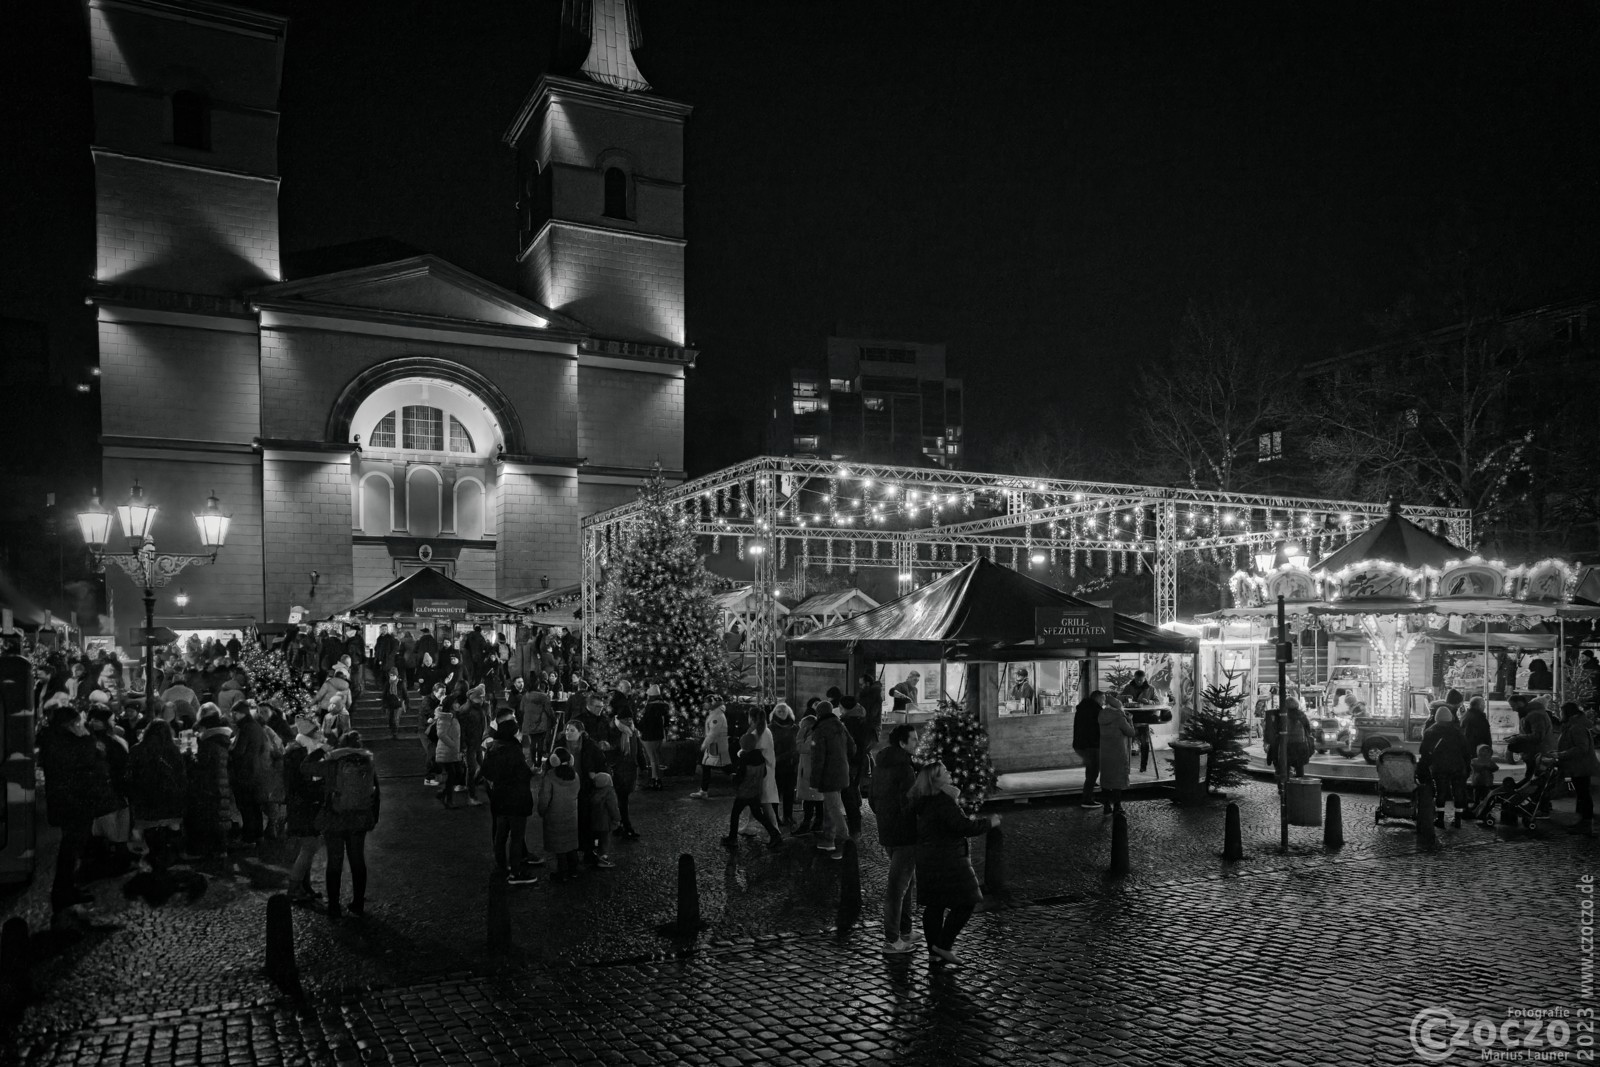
x=1186, y=959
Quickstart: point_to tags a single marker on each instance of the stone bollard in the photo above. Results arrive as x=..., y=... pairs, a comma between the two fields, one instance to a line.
x=688, y=922
x=849, y=888
x=994, y=864
x=1426, y=837
x=1333, y=824
x=499, y=916
x=1119, y=844
x=281, y=966
x=1232, y=836
x=16, y=984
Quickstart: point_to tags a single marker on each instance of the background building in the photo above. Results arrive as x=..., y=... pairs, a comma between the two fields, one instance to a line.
x=372, y=408
x=873, y=400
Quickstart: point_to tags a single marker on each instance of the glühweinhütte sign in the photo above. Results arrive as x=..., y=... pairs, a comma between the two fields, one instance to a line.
x=423, y=606
x=1086, y=627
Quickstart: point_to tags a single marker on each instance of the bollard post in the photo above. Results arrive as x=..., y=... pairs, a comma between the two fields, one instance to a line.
x=499, y=924
x=1119, y=844
x=687, y=923
x=994, y=864
x=281, y=966
x=16, y=984
x=849, y=888
x=1333, y=824
x=1426, y=838
x=1232, y=836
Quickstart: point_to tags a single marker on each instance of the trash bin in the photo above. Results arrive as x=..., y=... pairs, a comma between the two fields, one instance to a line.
x=1189, y=770
x=1303, y=797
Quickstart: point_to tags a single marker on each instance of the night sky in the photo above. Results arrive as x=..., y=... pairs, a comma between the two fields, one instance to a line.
x=1042, y=186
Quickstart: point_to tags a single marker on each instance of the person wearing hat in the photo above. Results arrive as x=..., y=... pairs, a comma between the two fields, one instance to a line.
x=1116, y=731
x=336, y=684
x=509, y=781
x=1575, y=751
x=473, y=714
x=211, y=792
x=558, y=814
x=1444, y=758
x=303, y=795
x=336, y=723
x=653, y=731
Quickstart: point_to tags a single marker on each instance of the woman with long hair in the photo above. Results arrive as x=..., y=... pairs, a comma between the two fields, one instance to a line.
x=947, y=887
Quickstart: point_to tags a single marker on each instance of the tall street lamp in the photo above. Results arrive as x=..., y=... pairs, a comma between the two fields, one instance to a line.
x=148, y=568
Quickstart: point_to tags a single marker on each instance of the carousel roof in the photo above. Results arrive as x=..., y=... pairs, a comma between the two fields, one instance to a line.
x=1394, y=539
x=978, y=609
x=398, y=597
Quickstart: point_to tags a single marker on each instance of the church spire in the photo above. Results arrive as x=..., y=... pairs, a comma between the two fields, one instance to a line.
x=611, y=28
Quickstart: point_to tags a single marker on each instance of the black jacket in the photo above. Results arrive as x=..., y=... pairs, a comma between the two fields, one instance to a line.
x=1086, y=727
x=77, y=781
x=510, y=781
x=891, y=781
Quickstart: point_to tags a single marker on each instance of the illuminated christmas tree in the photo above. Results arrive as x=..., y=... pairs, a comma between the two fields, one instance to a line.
x=657, y=622
x=268, y=673
x=957, y=740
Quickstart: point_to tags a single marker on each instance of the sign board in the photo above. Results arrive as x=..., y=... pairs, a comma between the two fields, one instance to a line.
x=1091, y=626
x=439, y=607
x=296, y=614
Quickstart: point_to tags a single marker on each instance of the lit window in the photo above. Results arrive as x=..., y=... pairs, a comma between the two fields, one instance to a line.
x=383, y=433
x=423, y=429
x=1269, y=446
x=805, y=444
x=1412, y=417
x=873, y=403
x=805, y=388
x=839, y=385
x=806, y=407
x=460, y=439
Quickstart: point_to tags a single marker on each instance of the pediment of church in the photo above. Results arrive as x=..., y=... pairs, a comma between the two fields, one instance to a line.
x=425, y=286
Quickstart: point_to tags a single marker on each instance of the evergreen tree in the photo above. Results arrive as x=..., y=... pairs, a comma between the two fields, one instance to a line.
x=1216, y=725
x=956, y=739
x=657, y=622
x=268, y=672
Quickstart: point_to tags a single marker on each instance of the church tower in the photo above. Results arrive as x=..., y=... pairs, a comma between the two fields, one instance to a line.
x=600, y=186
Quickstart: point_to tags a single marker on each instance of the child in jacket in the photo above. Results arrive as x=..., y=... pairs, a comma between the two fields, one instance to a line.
x=558, y=813
x=447, y=754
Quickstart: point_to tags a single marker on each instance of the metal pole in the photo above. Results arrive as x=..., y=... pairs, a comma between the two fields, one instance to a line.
x=149, y=644
x=1283, y=729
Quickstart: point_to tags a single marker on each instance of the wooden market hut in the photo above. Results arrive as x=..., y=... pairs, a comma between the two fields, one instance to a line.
x=430, y=596
x=825, y=609
x=981, y=619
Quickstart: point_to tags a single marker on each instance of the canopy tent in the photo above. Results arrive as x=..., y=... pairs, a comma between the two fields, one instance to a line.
x=439, y=594
x=982, y=611
x=1395, y=539
x=825, y=609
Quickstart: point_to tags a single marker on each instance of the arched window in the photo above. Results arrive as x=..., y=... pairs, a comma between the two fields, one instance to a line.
x=470, y=516
x=424, y=490
x=377, y=505
x=616, y=193
x=191, y=120
x=422, y=429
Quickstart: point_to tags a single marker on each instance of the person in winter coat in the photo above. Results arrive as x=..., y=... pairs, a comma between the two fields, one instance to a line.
x=303, y=798
x=158, y=785
x=831, y=752
x=1536, y=738
x=211, y=807
x=1575, y=751
x=113, y=830
x=753, y=775
x=1444, y=757
x=714, y=751
x=862, y=738
x=1475, y=725
x=1116, y=731
x=407, y=659
x=395, y=696
x=534, y=713
x=869, y=693
x=1086, y=742
x=558, y=813
x=588, y=761
x=336, y=722
x=622, y=757
x=250, y=774
x=947, y=888
x=653, y=731
x=349, y=811
x=892, y=779
x=336, y=684
x=786, y=753
x=447, y=754
x=473, y=714
x=510, y=785
x=604, y=817
x=77, y=791
x=810, y=799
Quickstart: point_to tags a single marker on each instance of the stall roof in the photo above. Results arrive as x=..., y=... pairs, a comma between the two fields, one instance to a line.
x=837, y=602
x=742, y=601
x=397, y=598
x=534, y=599
x=982, y=610
x=1395, y=539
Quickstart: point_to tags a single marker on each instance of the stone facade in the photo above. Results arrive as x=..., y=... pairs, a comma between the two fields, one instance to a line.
x=401, y=413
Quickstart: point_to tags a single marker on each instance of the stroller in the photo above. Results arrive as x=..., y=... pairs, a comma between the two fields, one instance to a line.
x=1397, y=786
x=1521, y=801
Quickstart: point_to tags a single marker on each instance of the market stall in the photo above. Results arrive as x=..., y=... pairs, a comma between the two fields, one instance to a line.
x=825, y=609
x=1016, y=653
x=428, y=599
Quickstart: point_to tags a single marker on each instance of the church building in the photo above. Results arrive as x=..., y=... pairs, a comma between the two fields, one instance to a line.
x=389, y=412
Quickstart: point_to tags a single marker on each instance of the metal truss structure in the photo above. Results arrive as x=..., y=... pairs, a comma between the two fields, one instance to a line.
x=807, y=512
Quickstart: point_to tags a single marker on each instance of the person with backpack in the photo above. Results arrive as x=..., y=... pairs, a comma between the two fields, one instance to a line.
x=753, y=774
x=303, y=797
x=533, y=710
x=510, y=785
x=349, y=811
x=892, y=779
